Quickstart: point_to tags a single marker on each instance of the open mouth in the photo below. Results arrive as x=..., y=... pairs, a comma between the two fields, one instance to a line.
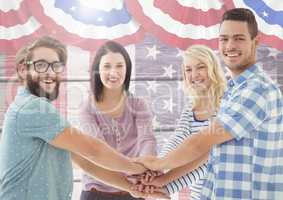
x=232, y=55
x=197, y=81
x=113, y=80
x=48, y=81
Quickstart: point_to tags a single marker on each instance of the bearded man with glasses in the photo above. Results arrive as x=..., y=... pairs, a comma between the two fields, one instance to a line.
x=37, y=143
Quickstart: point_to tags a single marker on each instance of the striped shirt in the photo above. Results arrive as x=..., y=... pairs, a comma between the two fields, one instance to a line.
x=187, y=126
x=250, y=166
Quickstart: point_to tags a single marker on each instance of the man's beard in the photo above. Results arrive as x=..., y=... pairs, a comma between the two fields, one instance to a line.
x=37, y=90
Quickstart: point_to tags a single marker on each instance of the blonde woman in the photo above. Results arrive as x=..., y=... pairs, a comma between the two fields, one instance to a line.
x=204, y=84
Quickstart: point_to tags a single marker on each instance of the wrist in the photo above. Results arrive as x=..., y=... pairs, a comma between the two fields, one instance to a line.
x=161, y=164
x=135, y=168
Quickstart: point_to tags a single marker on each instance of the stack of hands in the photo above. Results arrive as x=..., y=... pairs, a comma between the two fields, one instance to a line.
x=149, y=184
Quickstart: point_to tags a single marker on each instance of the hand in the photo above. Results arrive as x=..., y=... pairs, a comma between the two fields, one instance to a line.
x=135, y=178
x=151, y=191
x=158, y=179
x=146, y=178
x=150, y=162
x=136, y=168
x=149, y=176
x=138, y=194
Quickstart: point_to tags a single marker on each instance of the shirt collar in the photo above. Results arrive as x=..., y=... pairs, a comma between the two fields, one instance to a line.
x=22, y=90
x=243, y=76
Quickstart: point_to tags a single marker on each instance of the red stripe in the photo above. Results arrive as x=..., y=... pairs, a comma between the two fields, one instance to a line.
x=271, y=40
x=12, y=46
x=190, y=15
x=136, y=10
x=14, y=17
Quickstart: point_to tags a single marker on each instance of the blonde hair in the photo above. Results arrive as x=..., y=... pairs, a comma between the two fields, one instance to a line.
x=215, y=73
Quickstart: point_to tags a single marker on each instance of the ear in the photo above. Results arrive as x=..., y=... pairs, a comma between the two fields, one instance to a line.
x=257, y=39
x=22, y=71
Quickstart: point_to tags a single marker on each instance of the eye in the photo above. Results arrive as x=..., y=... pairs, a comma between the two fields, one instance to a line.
x=41, y=64
x=223, y=39
x=240, y=38
x=201, y=67
x=58, y=66
x=120, y=65
x=107, y=66
x=188, y=69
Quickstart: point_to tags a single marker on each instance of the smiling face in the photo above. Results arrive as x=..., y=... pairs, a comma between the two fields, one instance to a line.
x=236, y=46
x=112, y=70
x=196, y=74
x=44, y=84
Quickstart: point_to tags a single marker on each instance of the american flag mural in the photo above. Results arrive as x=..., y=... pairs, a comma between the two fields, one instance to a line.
x=155, y=32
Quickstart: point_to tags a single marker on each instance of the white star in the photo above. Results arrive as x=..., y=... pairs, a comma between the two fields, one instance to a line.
x=272, y=53
x=100, y=19
x=152, y=52
x=152, y=85
x=265, y=14
x=155, y=122
x=169, y=71
x=73, y=8
x=180, y=53
x=169, y=104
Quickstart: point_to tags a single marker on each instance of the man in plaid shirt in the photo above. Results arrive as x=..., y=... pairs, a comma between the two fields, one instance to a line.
x=246, y=138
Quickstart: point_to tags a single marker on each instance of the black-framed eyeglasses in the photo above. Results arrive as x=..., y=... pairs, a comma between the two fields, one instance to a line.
x=41, y=66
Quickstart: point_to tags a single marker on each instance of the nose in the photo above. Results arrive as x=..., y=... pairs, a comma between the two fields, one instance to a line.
x=230, y=44
x=195, y=73
x=113, y=71
x=50, y=71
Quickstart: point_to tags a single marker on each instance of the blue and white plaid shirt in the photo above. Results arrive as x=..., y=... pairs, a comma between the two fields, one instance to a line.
x=251, y=165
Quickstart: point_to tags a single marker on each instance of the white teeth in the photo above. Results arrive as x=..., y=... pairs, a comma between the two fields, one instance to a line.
x=198, y=81
x=113, y=79
x=232, y=54
x=48, y=81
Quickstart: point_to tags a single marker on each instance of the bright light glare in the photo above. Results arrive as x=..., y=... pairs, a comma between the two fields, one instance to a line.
x=106, y=5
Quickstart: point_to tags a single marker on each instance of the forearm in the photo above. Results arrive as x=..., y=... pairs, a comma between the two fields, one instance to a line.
x=190, y=150
x=180, y=171
x=107, y=157
x=195, y=146
x=96, y=151
x=108, y=177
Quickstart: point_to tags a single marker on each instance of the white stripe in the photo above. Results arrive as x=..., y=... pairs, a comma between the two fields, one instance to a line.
x=201, y=5
x=177, y=28
x=106, y=5
x=274, y=5
x=20, y=30
x=263, y=26
x=87, y=30
x=10, y=5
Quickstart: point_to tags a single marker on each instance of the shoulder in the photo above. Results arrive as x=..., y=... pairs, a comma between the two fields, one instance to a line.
x=254, y=87
x=87, y=108
x=35, y=105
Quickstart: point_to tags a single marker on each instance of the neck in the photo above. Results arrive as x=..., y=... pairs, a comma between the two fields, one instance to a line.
x=239, y=70
x=113, y=95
